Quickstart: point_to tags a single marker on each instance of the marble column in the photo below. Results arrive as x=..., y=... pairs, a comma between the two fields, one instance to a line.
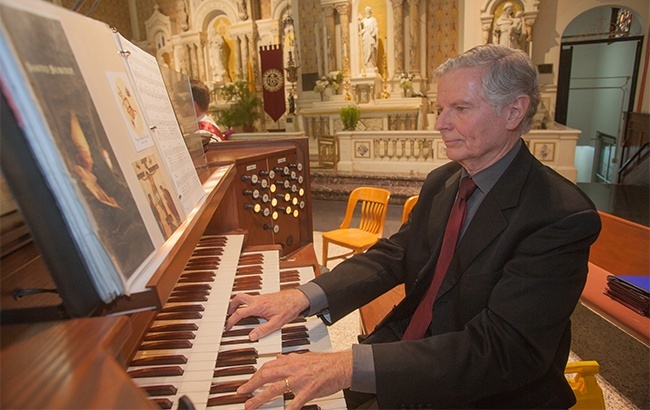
x=133, y=16
x=329, y=41
x=485, y=29
x=414, y=37
x=194, y=65
x=254, y=54
x=201, y=60
x=343, y=9
x=398, y=36
x=245, y=56
x=238, y=58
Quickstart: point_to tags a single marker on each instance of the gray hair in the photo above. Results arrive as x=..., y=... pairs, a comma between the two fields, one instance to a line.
x=507, y=73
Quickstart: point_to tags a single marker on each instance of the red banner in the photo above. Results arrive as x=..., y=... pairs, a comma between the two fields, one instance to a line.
x=273, y=81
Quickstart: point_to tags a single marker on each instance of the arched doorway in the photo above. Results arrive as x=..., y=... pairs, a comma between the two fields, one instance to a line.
x=599, y=63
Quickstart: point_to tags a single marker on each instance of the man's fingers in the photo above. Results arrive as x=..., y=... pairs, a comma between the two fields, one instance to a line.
x=236, y=316
x=238, y=300
x=265, y=329
x=271, y=391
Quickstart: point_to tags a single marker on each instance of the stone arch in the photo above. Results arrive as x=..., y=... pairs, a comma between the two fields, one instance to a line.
x=492, y=8
x=281, y=10
x=209, y=10
x=572, y=15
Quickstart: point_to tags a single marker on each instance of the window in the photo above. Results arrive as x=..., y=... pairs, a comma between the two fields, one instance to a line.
x=621, y=21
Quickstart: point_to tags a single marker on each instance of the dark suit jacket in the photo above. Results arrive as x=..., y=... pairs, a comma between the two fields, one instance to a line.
x=501, y=320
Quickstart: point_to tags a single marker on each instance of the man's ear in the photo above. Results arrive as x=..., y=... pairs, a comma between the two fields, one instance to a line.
x=516, y=111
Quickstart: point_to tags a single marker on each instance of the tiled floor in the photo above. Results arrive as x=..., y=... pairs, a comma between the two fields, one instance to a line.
x=328, y=215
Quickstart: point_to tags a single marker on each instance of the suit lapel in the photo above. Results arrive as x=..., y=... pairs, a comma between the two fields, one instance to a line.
x=489, y=220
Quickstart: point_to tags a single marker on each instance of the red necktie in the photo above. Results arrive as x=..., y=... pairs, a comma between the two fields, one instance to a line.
x=422, y=317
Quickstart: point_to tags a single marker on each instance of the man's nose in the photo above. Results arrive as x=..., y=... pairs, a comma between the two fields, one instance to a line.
x=441, y=121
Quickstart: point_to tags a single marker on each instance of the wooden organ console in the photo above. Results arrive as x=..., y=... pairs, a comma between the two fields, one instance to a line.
x=252, y=234
x=270, y=193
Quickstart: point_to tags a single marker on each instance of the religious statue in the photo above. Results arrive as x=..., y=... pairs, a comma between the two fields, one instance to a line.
x=508, y=27
x=369, y=32
x=242, y=8
x=219, y=72
x=181, y=12
x=289, y=37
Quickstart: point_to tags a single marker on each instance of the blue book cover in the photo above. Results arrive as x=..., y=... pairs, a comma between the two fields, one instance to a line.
x=642, y=282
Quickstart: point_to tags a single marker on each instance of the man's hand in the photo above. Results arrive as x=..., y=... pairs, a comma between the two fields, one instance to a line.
x=277, y=308
x=307, y=376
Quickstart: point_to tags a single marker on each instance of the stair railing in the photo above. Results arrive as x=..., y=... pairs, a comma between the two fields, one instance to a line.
x=632, y=159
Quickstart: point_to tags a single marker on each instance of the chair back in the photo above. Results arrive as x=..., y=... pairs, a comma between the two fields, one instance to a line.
x=373, y=206
x=408, y=205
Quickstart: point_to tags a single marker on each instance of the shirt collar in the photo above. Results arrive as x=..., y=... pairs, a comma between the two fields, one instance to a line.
x=487, y=178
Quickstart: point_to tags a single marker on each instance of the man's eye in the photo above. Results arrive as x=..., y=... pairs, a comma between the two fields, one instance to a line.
x=438, y=111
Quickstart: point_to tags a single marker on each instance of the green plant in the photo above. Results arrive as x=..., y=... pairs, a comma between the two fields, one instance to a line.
x=350, y=116
x=244, y=105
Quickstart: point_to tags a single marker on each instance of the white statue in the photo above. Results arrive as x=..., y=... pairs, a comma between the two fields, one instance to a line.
x=369, y=31
x=243, y=10
x=508, y=28
x=181, y=13
x=289, y=37
x=219, y=72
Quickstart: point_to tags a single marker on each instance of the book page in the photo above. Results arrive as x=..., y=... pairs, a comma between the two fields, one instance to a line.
x=180, y=95
x=64, y=129
x=162, y=120
x=90, y=131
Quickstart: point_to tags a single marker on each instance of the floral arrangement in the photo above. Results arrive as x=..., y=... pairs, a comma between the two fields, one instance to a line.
x=334, y=79
x=406, y=81
x=321, y=85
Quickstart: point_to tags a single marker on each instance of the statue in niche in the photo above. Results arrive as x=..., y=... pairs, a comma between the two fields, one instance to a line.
x=369, y=32
x=243, y=10
x=508, y=27
x=289, y=37
x=181, y=13
x=219, y=72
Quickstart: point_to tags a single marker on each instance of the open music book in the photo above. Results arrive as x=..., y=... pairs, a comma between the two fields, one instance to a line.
x=100, y=133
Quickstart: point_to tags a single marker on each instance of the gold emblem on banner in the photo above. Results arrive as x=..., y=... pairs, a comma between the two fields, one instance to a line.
x=272, y=80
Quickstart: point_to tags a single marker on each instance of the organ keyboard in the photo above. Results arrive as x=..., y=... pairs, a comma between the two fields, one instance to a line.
x=185, y=352
x=173, y=346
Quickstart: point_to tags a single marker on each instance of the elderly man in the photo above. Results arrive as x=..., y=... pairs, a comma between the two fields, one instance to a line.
x=486, y=324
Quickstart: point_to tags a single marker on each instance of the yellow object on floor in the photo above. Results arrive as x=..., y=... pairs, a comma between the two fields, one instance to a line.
x=373, y=204
x=582, y=378
x=408, y=206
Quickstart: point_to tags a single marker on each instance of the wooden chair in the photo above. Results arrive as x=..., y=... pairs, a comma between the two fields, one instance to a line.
x=373, y=206
x=582, y=378
x=408, y=205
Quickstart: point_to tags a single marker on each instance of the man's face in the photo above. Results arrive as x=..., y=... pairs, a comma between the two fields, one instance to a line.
x=474, y=134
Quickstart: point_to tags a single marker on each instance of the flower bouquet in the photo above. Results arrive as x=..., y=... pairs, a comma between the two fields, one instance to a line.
x=406, y=82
